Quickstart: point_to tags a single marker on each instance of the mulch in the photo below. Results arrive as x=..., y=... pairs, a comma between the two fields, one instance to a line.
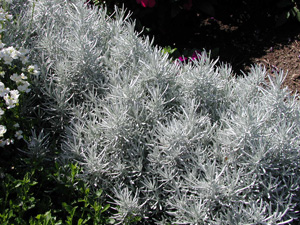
x=284, y=57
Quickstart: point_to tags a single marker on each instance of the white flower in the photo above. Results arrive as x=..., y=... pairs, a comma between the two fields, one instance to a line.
x=16, y=125
x=23, y=76
x=9, y=102
x=18, y=78
x=23, y=51
x=12, y=99
x=9, y=54
x=15, y=77
x=3, y=91
x=9, y=141
x=9, y=1
x=7, y=59
x=6, y=142
x=24, y=59
x=2, y=73
x=19, y=135
x=8, y=16
x=23, y=55
x=5, y=56
x=14, y=94
x=33, y=69
x=2, y=15
x=2, y=130
x=13, y=52
x=30, y=68
x=23, y=87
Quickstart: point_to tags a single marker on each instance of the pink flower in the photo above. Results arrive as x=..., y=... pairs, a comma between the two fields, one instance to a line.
x=182, y=59
x=146, y=3
x=196, y=54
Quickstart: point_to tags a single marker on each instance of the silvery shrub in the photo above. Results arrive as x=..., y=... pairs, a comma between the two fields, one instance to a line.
x=168, y=142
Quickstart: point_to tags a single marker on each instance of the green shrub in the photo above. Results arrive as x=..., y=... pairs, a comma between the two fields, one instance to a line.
x=168, y=142
x=48, y=193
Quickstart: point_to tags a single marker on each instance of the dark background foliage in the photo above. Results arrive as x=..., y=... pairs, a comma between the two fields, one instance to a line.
x=171, y=22
x=241, y=33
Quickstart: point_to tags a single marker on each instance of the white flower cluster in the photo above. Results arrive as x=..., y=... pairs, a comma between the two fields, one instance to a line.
x=33, y=69
x=4, y=16
x=3, y=90
x=8, y=141
x=19, y=135
x=21, y=82
x=10, y=53
x=2, y=130
x=11, y=98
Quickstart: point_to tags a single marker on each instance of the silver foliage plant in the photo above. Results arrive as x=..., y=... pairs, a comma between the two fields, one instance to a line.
x=168, y=142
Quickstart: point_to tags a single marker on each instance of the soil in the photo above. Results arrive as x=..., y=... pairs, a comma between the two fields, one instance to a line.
x=240, y=40
x=277, y=50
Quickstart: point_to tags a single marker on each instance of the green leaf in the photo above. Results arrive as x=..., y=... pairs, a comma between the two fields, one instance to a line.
x=18, y=185
x=105, y=208
x=73, y=171
x=67, y=207
x=293, y=12
x=99, y=193
x=168, y=49
x=298, y=16
x=80, y=221
x=297, y=13
x=48, y=216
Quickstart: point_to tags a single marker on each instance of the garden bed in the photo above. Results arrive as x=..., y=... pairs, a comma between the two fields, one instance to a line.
x=240, y=39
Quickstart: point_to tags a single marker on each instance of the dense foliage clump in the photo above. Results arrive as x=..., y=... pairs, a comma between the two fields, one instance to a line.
x=35, y=187
x=168, y=142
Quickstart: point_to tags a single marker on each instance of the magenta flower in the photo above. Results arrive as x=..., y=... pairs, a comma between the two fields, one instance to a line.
x=182, y=59
x=146, y=3
x=196, y=55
